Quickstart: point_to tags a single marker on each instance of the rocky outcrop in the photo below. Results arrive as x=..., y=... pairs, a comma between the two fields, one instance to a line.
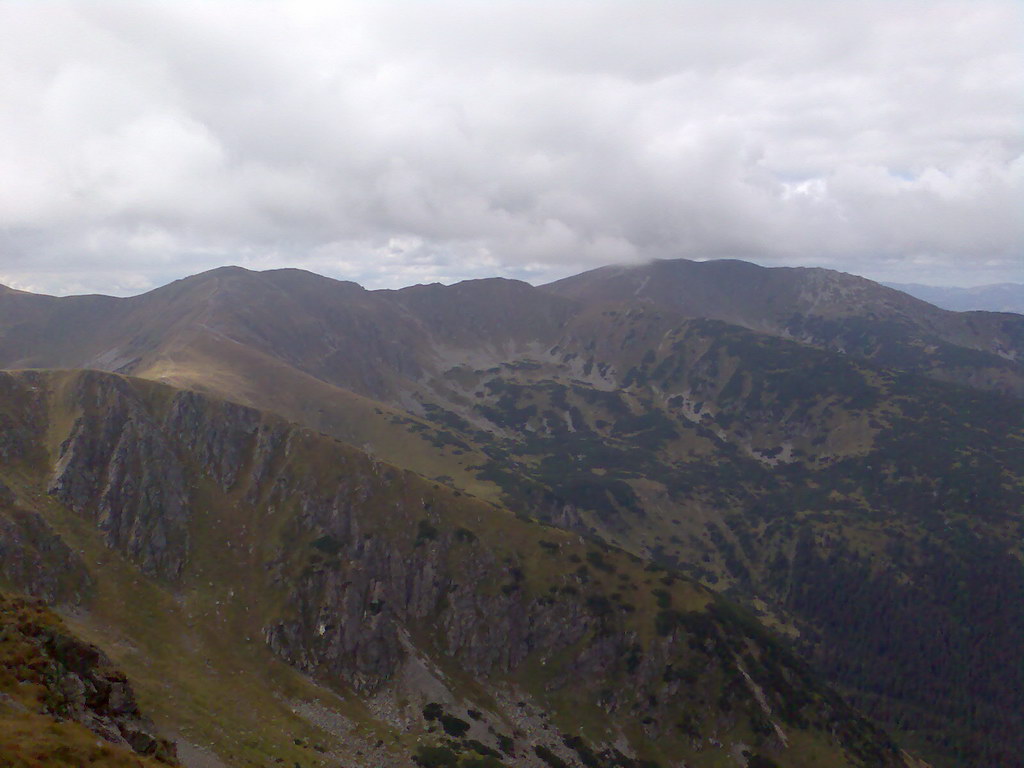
x=352, y=607
x=88, y=689
x=78, y=681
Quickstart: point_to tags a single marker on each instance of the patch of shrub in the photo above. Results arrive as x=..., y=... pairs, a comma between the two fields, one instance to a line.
x=597, y=560
x=453, y=726
x=486, y=761
x=587, y=756
x=328, y=544
x=549, y=757
x=480, y=748
x=425, y=531
x=506, y=744
x=435, y=757
x=666, y=621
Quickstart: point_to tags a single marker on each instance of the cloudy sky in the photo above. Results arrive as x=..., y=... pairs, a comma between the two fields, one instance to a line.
x=403, y=142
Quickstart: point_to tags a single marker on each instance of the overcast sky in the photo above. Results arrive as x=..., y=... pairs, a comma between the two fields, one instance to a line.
x=405, y=142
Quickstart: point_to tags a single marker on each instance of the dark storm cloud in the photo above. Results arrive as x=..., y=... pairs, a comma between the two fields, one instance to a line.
x=404, y=142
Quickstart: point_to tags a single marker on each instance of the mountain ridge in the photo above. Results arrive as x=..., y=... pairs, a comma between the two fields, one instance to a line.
x=822, y=308
x=777, y=465
x=806, y=304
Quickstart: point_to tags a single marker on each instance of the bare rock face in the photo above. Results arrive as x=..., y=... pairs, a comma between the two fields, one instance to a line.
x=217, y=434
x=131, y=468
x=33, y=557
x=363, y=593
x=352, y=606
x=119, y=467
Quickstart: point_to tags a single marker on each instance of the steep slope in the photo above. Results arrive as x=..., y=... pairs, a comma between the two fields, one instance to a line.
x=307, y=347
x=827, y=309
x=57, y=694
x=313, y=349
x=227, y=549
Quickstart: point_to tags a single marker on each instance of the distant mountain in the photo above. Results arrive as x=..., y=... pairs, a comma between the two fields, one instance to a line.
x=839, y=457
x=827, y=309
x=1001, y=297
x=336, y=331
x=367, y=341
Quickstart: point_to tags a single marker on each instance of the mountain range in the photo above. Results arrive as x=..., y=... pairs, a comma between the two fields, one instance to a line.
x=999, y=297
x=749, y=516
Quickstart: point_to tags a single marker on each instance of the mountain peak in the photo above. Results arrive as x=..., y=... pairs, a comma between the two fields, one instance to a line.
x=732, y=290
x=229, y=270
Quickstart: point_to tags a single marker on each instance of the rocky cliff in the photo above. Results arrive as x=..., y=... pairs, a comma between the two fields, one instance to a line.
x=400, y=593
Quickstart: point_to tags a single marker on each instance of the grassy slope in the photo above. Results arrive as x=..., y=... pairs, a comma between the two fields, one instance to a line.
x=247, y=376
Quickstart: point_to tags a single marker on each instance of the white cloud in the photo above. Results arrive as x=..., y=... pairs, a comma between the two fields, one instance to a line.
x=398, y=142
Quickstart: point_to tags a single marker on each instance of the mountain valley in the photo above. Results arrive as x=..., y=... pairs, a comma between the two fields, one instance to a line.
x=676, y=514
